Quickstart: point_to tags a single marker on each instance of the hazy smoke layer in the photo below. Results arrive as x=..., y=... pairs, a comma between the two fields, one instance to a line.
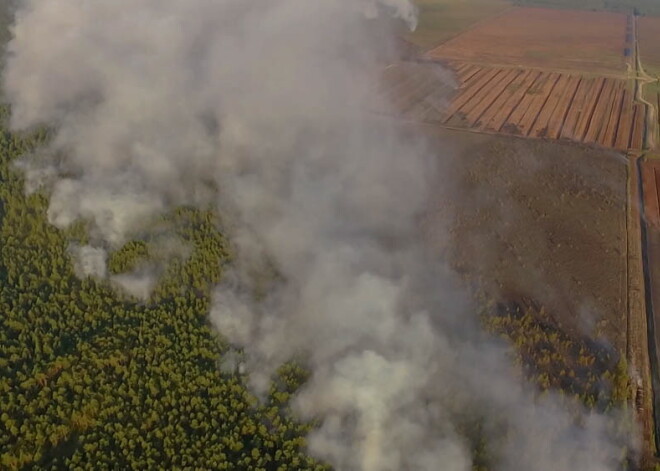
x=260, y=107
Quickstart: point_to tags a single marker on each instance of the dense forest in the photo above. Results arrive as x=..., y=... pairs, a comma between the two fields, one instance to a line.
x=90, y=379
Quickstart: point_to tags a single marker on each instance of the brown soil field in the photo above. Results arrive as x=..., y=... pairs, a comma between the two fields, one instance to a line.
x=548, y=105
x=649, y=38
x=529, y=217
x=417, y=91
x=637, y=140
x=520, y=102
x=537, y=37
x=625, y=123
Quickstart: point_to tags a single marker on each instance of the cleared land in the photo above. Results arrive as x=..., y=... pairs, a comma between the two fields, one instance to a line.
x=649, y=43
x=520, y=102
x=594, y=42
x=440, y=20
x=416, y=91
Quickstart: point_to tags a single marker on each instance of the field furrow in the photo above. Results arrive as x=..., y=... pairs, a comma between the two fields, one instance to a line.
x=512, y=123
x=624, y=131
x=608, y=133
x=523, y=102
x=561, y=112
x=639, y=123
x=577, y=108
x=529, y=118
x=540, y=127
x=472, y=75
x=589, y=109
x=467, y=72
x=466, y=94
x=460, y=67
x=518, y=92
x=491, y=93
x=600, y=115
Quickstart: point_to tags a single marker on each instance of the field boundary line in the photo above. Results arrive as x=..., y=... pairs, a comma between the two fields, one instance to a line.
x=470, y=28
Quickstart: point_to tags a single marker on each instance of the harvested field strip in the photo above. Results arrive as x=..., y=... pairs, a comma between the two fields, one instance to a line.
x=527, y=123
x=474, y=78
x=477, y=115
x=467, y=73
x=404, y=99
x=479, y=97
x=528, y=99
x=499, y=106
x=601, y=113
x=589, y=109
x=513, y=102
x=608, y=133
x=639, y=122
x=553, y=100
x=522, y=102
x=472, y=90
x=473, y=74
x=493, y=90
x=461, y=67
x=624, y=131
x=561, y=112
x=575, y=111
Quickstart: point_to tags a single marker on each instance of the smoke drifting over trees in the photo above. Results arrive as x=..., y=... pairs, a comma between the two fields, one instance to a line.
x=260, y=109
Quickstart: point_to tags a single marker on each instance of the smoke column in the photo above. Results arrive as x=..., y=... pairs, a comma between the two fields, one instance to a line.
x=261, y=108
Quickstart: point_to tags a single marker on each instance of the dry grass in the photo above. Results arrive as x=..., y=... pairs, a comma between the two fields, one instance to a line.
x=441, y=20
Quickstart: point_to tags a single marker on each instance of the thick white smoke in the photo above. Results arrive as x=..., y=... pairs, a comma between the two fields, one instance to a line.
x=261, y=107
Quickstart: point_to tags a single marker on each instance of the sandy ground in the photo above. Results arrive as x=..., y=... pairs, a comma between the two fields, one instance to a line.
x=536, y=220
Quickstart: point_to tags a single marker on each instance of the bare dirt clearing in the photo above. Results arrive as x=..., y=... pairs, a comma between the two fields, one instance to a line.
x=593, y=42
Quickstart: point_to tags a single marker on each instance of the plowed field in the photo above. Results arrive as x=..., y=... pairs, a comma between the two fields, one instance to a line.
x=536, y=37
x=521, y=102
x=649, y=38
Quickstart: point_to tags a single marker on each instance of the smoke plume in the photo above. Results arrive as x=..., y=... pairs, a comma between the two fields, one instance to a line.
x=262, y=108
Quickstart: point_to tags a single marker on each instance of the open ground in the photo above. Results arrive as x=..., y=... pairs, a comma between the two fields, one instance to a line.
x=649, y=39
x=592, y=42
x=440, y=20
x=521, y=102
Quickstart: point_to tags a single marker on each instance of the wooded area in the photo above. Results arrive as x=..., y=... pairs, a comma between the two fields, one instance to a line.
x=92, y=380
